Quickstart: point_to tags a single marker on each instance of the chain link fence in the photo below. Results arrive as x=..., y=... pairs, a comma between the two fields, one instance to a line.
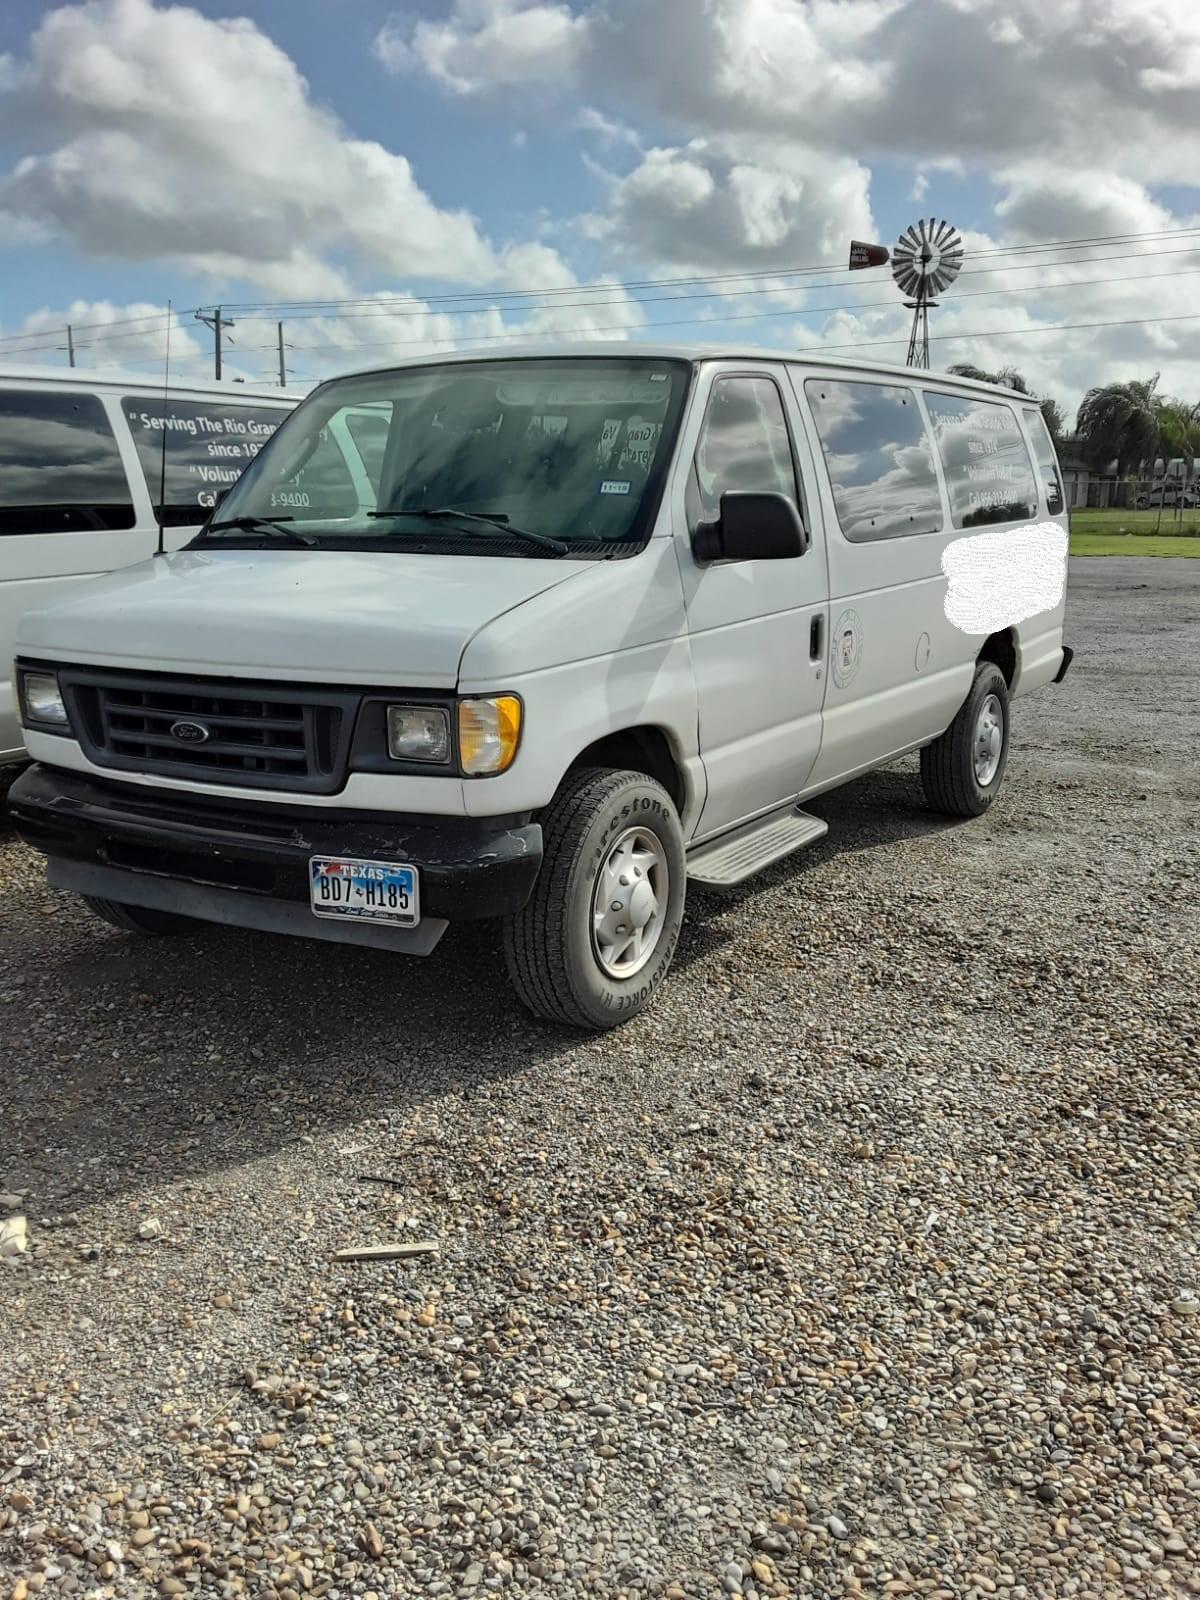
x=1099, y=491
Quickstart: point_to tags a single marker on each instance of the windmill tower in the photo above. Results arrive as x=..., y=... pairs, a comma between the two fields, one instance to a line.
x=925, y=262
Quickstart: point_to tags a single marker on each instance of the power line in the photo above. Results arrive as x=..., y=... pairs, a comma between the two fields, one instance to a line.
x=89, y=327
x=677, y=322
x=295, y=306
x=728, y=277
x=797, y=311
x=348, y=346
x=388, y=309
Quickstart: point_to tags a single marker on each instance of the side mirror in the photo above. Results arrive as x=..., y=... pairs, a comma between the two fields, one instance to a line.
x=753, y=526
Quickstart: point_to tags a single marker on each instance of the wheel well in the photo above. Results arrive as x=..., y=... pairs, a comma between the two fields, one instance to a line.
x=1002, y=649
x=640, y=750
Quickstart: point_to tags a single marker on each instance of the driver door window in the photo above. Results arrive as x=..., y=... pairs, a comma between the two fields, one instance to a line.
x=744, y=444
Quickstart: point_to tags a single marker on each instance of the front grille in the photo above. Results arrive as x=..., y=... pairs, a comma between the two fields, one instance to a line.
x=244, y=734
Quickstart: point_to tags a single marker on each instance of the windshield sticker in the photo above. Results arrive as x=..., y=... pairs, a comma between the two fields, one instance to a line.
x=658, y=377
x=615, y=486
x=1003, y=577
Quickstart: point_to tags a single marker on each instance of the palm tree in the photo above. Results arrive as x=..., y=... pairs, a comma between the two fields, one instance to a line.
x=1056, y=423
x=1121, y=420
x=1010, y=378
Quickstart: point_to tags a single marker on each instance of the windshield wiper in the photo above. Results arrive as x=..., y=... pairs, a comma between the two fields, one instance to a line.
x=497, y=520
x=268, y=525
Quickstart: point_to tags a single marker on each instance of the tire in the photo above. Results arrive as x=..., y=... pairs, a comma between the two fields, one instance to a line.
x=140, y=919
x=953, y=780
x=599, y=821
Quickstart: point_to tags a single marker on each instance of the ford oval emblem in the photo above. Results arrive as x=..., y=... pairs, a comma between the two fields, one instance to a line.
x=189, y=732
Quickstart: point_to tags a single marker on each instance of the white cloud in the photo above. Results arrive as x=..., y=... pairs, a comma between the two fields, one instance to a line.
x=983, y=80
x=607, y=129
x=160, y=133
x=720, y=205
x=1041, y=201
x=492, y=43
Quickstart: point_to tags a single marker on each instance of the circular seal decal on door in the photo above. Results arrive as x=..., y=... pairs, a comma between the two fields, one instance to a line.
x=846, y=647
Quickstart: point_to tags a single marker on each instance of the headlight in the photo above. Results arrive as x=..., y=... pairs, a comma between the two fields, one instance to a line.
x=43, y=698
x=418, y=733
x=489, y=732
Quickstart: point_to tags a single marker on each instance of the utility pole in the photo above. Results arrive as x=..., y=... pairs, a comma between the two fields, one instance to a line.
x=70, y=346
x=282, y=367
x=217, y=323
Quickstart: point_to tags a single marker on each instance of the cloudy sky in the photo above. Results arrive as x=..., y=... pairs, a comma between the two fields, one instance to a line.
x=457, y=171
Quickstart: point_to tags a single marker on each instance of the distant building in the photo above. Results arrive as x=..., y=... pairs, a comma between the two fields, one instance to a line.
x=1080, y=479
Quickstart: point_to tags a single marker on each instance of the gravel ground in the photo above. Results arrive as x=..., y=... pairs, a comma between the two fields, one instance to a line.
x=866, y=1264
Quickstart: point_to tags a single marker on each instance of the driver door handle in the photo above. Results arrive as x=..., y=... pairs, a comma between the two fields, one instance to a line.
x=816, y=637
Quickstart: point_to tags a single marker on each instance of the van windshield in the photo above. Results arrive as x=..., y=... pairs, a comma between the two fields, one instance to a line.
x=531, y=457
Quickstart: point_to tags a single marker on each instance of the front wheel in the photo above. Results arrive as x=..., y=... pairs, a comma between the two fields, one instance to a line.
x=597, y=936
x=961, y=772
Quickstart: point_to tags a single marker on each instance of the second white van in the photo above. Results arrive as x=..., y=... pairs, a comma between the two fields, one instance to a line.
x=81, y=465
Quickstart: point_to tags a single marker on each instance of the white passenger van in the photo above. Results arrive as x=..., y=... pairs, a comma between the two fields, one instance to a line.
x=80, y=468
x=600, y=622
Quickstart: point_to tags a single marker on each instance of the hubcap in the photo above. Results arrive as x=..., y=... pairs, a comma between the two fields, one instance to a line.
x=629, y=903
x=989, y=740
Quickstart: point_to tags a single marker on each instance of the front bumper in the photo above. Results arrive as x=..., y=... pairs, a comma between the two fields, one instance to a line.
x=247, y=864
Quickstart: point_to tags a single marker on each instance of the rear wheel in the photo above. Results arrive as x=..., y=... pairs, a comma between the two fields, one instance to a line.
x=140, y=919
x=961, y=772
x=597, y=936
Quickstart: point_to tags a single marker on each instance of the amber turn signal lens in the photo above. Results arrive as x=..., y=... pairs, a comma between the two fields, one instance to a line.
x=489, y=731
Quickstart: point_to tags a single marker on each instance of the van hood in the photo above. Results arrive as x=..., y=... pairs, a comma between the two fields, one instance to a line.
x=378, y=617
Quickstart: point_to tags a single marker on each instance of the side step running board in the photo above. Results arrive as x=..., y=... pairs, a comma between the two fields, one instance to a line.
x=734, y=857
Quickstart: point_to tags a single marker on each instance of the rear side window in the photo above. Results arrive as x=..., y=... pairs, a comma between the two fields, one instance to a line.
x=208, y=443
x=1047, y=460
x=60, y=468
x=744, y=443
x=989, y=476
x=879, y=457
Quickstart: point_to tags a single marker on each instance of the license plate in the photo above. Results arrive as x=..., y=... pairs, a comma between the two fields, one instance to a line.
x=365, y=891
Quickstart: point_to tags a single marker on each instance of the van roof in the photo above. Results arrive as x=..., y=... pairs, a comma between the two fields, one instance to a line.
x=688, y=352
x=108, y=378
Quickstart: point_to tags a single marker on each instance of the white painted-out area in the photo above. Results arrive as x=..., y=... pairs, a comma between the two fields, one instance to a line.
x=1000, y=578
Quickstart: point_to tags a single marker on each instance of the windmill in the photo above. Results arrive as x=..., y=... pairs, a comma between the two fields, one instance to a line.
x=925, y=262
